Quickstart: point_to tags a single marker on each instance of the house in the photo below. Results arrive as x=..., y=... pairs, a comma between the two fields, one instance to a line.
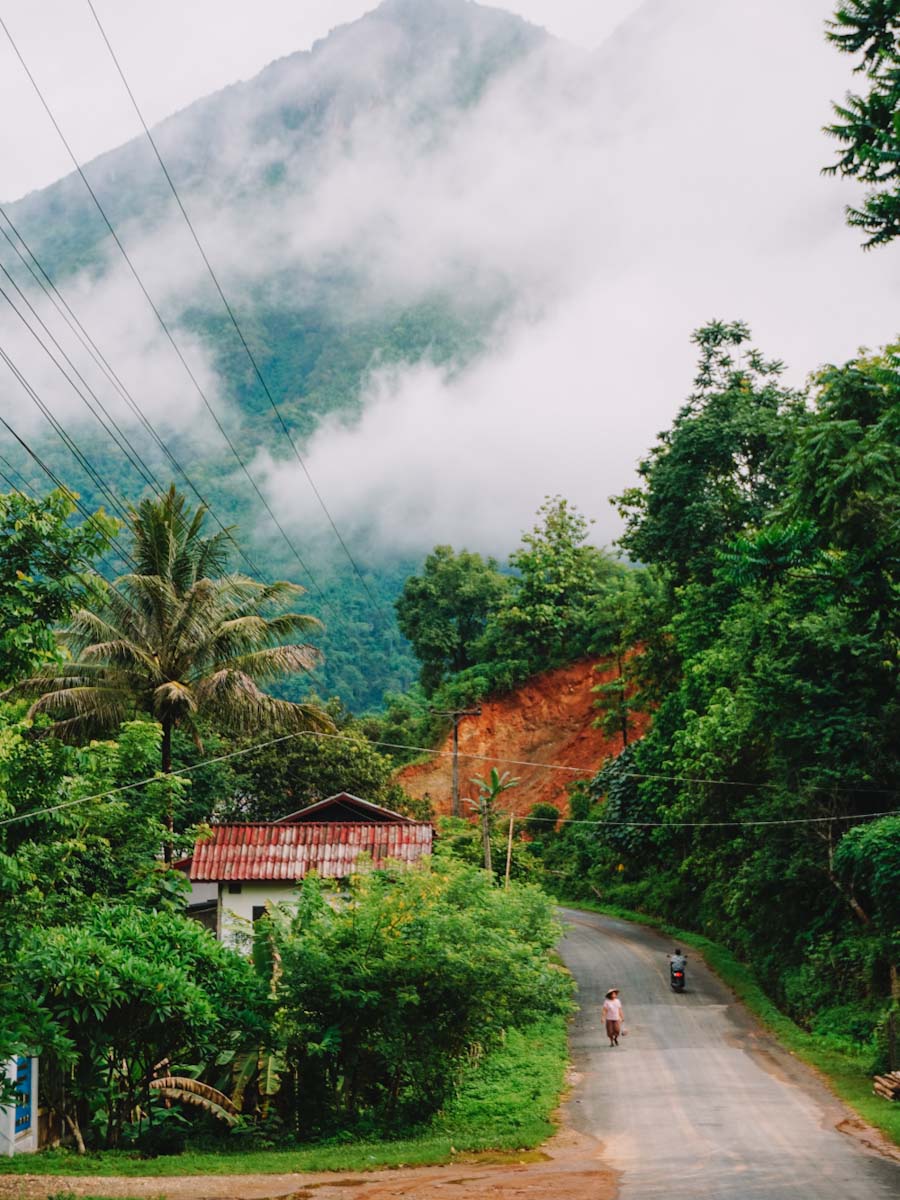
x=245, y=866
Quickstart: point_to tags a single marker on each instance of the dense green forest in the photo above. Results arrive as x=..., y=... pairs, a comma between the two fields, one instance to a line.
x=761, y=634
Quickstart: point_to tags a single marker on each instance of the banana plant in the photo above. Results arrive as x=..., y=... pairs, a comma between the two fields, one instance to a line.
x=192, y=1091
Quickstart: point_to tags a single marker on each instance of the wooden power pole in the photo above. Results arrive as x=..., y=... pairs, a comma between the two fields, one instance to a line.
x=456, y=715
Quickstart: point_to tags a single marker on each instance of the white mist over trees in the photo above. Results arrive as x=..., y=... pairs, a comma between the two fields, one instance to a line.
x=552, y=221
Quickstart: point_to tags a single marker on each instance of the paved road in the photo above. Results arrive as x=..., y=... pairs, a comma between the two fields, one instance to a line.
x=697, y=1101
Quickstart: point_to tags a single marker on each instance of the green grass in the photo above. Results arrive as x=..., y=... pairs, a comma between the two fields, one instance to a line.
x=847, y=1073
x=505, y=1105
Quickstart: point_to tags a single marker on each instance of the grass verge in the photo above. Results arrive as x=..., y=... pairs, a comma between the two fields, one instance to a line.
x=504, y=1105
x=847, y=1073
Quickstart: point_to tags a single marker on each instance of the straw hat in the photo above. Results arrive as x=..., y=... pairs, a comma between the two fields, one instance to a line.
x=611, y=992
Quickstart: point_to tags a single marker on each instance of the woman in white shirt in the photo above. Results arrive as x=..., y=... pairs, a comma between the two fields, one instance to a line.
x=612, y=1015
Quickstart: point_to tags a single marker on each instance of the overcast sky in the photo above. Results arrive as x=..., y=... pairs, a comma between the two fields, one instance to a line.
x=173, y=52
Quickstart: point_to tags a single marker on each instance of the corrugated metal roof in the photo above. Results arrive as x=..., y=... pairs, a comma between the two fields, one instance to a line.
x=288, y=852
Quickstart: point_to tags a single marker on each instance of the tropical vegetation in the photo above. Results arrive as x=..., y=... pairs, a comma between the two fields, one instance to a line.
x=361, y=1015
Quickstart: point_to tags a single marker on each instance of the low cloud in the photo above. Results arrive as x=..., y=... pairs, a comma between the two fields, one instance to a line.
x=604, y=205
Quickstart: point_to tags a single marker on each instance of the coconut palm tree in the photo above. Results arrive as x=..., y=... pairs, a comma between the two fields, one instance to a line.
x=171, y=641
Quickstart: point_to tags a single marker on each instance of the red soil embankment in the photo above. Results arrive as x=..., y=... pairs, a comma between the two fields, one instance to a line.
x=548, y=720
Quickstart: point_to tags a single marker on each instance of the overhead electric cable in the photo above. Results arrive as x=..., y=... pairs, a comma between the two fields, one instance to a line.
x=112, y=428
x=231, y=314
x=70, y=317
x=163, y=325
x=15, y=470
x=58, y=483
x=68, y=441
x=127, y=787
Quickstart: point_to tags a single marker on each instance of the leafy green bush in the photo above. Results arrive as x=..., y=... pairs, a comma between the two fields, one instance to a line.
x=119, y=993
x=385, y=997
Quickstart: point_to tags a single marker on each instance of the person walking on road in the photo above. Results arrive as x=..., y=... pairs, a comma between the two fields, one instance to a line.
x=612, y=1015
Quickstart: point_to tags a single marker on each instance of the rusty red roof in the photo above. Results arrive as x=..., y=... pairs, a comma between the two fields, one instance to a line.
x=266, y=850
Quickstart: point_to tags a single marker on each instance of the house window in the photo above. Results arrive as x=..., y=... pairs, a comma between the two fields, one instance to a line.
x=234, y=889
x=259, y=910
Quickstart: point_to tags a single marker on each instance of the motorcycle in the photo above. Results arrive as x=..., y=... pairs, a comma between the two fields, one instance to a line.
x=676, y=972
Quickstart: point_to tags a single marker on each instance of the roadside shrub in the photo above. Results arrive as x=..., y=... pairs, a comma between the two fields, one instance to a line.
x=384, y=998
x=122, y=991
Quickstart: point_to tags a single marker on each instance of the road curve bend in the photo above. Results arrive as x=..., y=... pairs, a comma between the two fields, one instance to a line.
x=698, y=1101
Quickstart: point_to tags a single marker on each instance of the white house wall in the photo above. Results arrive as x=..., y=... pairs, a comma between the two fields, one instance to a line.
x=235, y=913
x=202, y=892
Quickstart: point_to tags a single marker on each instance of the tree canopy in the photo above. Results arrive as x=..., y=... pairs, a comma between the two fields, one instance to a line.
x=868, y=123
x=46, y=565
x=171, y=641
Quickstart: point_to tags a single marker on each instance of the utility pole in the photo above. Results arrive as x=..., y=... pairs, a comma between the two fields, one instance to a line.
x=509, y=850
x=456, y=715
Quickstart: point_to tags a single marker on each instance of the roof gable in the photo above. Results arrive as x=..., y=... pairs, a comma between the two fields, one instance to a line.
x=344, y=807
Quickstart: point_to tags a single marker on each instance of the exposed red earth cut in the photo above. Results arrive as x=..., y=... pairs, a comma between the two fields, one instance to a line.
x=548, y=720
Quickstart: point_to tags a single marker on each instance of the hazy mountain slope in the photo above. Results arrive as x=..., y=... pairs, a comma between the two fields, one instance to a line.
x=319, y=305
x=469, y=259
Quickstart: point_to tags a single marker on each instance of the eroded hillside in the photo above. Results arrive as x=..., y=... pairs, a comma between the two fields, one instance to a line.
x=549, y=720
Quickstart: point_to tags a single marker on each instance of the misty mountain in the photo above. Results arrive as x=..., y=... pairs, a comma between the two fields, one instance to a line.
x=469, y=259
x=320, y=301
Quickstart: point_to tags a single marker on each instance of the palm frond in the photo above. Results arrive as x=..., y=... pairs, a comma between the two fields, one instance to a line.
x=251, y=596
x=79, y=712
x=233, y=698
x=120, y=653
x=168, y=541
x=173, y=698
x=86, y=627
x=59, y=675
x=271, y=663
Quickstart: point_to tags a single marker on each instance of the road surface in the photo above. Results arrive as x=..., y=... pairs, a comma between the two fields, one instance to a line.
x=697, y=1101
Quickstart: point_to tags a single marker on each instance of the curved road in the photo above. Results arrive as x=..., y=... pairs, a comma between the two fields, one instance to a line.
x=698, y=1101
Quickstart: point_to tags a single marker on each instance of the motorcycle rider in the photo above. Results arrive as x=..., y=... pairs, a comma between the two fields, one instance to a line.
x=676, y=970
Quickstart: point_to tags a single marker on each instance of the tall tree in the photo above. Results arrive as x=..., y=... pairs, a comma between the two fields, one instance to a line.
x=444, y=611
x=45, y=564
x=868, y=126
x=720, y=467
x=178, y=644
x=547, y=616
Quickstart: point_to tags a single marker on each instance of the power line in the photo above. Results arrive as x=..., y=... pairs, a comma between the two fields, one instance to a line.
x=126, y=787
x=749, y=821
x=240, y=333
x=163, y=325
x=113, y=429
x=69, y=316
x=58, y=483
x=69, y=442
x=15, y=471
